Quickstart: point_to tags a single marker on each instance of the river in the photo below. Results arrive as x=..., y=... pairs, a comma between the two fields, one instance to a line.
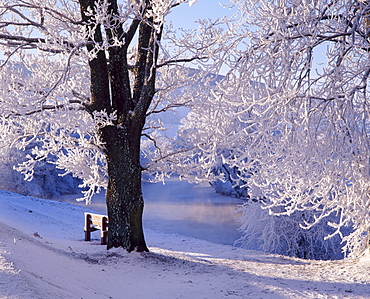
x=177, y=207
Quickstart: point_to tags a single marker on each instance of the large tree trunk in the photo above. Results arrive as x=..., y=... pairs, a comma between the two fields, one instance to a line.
x=124, y=198
x=112, y=90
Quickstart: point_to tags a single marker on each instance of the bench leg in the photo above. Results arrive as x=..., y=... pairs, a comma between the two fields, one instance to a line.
x=103, y=239
x=87, y=227
x=104, y=231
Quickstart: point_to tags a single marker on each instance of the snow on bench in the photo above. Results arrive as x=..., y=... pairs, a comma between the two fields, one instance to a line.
x=95, y=222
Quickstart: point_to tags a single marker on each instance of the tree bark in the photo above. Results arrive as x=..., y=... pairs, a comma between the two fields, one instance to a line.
x=124, y=198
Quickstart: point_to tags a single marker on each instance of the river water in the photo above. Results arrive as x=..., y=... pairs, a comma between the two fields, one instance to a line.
x=178, y=207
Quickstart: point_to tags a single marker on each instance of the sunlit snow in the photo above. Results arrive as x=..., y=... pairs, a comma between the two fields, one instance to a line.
x=43, y=255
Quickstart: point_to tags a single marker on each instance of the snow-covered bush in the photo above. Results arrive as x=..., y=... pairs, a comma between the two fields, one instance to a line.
x=285, y=235
x=47, y=182
x=229, y=184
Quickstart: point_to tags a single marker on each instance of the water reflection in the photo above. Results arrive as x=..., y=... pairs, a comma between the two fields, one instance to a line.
x=186, y=209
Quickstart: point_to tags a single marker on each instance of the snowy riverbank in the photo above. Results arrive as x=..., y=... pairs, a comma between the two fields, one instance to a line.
x=43, y=255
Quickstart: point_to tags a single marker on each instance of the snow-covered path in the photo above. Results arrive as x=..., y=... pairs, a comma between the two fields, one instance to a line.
x=42, y=255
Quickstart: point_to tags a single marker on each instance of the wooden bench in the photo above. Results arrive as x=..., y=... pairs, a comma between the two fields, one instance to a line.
x=94, y=222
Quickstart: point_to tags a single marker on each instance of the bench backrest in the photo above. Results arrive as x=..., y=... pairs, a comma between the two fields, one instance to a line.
x=97, y=220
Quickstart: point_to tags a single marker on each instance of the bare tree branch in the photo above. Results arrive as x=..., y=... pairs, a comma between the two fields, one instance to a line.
x=174, y=61
x=175, y=153
x=34, y=42
x=48, y=107
x=171, y=106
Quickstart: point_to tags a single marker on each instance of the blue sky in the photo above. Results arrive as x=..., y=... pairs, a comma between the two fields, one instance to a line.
x=184, y=16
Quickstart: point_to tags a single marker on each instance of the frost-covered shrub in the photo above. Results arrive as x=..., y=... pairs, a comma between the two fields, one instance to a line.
x=285, y=235
x=47, y=180
x=280, y=234
x=229, y=185
x=226, y=188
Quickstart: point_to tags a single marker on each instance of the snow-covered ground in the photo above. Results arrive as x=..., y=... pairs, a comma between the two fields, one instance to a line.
x=43, y=255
